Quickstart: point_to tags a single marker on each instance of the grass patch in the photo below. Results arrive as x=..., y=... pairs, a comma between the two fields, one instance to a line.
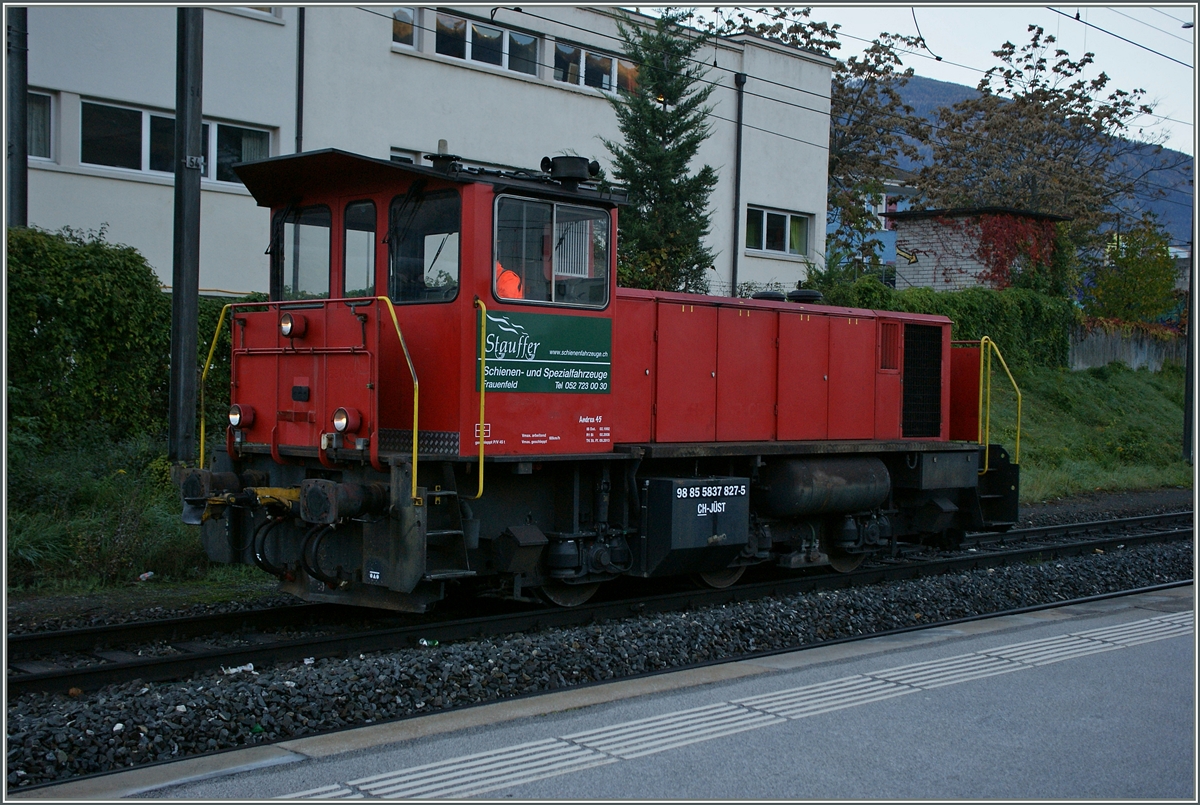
x=89, y=512
x=1106, y=429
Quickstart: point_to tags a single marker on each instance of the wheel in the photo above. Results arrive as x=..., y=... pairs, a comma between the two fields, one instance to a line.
x=845, y=562
x=840, y=560
x=720, y=579
x=567, y=595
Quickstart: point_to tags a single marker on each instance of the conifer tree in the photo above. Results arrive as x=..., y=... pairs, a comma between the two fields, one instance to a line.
x=663, y=120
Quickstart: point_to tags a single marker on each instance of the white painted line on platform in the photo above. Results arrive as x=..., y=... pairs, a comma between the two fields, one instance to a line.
x=471, y=775
x=825, y=697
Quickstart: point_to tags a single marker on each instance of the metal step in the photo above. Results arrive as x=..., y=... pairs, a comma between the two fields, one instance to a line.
x=439, y=575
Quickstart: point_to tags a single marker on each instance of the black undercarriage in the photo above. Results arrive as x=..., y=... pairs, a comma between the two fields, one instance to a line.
x=562, y=525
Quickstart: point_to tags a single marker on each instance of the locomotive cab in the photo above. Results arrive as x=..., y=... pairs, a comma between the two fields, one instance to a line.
x=447, y=388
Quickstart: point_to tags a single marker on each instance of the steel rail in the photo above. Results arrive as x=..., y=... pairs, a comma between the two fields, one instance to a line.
x=176, y=666
x=30, y=644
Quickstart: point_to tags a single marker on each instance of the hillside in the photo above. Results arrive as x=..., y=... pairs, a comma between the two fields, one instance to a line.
x=1174, y=211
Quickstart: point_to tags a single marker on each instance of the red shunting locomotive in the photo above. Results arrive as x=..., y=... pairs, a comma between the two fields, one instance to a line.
x=448, y=388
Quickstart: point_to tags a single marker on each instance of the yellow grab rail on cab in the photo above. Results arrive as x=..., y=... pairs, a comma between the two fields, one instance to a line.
x=416, y=389
x=482, y=385
x=204, y=377
x=987, y=346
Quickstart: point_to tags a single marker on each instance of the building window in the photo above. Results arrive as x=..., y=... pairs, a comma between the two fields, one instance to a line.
x=404, y=26
x=598, y=71
x=626, y=75
x=451, y=36
x=119, y=137
x=575, y=65
x=236, y=144
x=780, y=232
x=486, y=44
x=38, y=125
x=566, y=63
x=111, y=136
x=522, y=53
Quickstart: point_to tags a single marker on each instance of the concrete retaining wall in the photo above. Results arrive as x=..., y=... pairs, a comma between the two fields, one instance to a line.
x=1137, y=351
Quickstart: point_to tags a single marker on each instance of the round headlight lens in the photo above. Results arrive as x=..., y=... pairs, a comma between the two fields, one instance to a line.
x=241, y=416
x=292, y=325
x=346, y=420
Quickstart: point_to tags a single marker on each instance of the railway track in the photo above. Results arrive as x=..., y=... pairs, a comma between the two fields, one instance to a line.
x=161, y=650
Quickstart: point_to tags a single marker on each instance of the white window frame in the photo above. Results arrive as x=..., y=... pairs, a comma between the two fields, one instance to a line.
x=504, y=45
x=210, y=166
x=763, y=251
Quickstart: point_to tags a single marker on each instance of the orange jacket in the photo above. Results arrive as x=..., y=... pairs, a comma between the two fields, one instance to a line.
x=508, y=284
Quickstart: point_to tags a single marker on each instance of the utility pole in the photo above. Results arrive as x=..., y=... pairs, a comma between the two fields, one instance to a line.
x=1189, y=450
x=18, y=117
x=185, y=282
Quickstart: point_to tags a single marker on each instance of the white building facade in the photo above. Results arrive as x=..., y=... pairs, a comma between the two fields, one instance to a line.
x=501, y=87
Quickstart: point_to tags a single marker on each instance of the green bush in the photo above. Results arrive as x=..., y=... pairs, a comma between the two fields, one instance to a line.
x=1031, y=329
x=89, y=337
x=88, y=333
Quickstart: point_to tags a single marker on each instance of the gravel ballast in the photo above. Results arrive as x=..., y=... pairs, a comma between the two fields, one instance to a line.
x=56, y=737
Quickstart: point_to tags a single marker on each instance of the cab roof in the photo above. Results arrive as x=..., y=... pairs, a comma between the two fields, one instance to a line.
x=291, y=178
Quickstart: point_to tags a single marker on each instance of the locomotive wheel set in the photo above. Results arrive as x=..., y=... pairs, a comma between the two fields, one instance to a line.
x=448, y=388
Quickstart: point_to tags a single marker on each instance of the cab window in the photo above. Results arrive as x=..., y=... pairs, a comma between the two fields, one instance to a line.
x=300, y=252
x=359, y=253
x=551, y=253
x=424, y=241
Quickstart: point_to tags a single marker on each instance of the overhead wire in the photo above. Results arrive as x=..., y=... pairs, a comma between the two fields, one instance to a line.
x=1117, y=36
x=933, y=126
x=1148, y=25
x=1168, y=16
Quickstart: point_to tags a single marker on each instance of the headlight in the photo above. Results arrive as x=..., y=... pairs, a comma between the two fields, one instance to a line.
x=292, y=325
x=241, y=416
x=346, y=420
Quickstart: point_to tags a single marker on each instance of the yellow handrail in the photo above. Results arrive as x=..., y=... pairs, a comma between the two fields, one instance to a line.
x=482, y=385
x=204, y=377
x=416, y=388
x=987, y=346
